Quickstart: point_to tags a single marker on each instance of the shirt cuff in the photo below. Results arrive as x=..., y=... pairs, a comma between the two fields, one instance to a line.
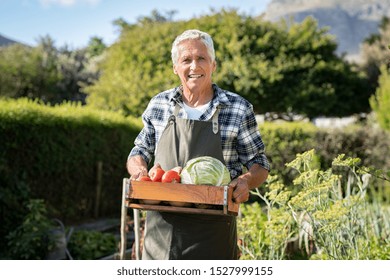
x=139, y=152
x=260, y=159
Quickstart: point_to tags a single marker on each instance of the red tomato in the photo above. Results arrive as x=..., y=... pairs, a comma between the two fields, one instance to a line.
x=144, y=178
x=156, y=174
x=171, y=176
x=178, y=169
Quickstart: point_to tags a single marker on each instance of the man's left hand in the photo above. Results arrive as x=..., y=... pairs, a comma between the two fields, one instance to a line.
x=241, y=190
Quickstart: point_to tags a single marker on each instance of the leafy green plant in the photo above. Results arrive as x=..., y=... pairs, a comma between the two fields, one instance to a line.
x=251, y=228
x=31, y=240
x=11, y=199
x=380, y=102
x=328, y=218
x=91, y=245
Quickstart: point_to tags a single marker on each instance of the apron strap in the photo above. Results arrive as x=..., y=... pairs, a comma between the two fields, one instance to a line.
x=172, y=118
x=215, y=121
x=177, y=109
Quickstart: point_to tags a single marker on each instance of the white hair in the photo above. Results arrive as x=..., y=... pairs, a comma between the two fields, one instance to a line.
x=193, y=34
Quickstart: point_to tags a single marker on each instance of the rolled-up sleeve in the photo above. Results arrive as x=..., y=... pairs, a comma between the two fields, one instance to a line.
x=250, y=146
x=144, y=144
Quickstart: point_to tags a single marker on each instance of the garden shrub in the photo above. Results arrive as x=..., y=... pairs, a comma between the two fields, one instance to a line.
x=12, y=210
x=91, y=245
x=368, y=143
x=54, y=153
x=283, y=141
x=321, y=219
x=380, y=102
x=31, y=240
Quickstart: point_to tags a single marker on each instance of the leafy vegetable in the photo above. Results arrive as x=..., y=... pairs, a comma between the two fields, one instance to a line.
x=205, y=171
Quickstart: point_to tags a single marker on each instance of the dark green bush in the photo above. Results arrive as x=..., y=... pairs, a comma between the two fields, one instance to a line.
x=12, y=210
x=53, y=152
x=368, y=143
x=31, y=239
x=283, y=141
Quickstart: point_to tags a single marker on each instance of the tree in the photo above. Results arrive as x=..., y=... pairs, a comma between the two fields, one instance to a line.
x=17, y=71
x=29, y=72
x=96, y=46
x=47, y=73
x=278, y=67
x=289, y=67
x=135, y=69
x=156, y=16
x=380, y=102
x=375, y=52
x=78, y=68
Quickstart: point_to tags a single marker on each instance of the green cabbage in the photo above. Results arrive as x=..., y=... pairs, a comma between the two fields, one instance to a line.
x=205, y=171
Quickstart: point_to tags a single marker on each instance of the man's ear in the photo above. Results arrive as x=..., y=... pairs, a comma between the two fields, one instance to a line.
x=214, y=65
x=174, y=69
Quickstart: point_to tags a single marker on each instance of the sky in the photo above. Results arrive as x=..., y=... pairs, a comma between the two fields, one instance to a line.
x=74, y=22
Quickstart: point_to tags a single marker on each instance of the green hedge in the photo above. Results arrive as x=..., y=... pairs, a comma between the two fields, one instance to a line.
x=367, y=142
x=52, y=153
x=283, y=140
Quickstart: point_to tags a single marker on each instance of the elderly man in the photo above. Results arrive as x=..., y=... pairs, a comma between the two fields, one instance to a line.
x=196, y=119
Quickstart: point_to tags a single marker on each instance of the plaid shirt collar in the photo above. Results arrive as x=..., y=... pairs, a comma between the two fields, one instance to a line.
x=220, y=99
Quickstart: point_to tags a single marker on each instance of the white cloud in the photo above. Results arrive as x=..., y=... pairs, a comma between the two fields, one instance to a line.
x=67, y=3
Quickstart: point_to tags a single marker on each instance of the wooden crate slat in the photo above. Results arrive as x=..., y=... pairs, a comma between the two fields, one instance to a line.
x=177, y=192
x=176, y=209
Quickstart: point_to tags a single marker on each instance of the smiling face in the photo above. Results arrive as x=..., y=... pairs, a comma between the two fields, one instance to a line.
x=194, y=67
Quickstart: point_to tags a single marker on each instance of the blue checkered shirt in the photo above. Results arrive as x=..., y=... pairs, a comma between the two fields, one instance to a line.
x=241, y=141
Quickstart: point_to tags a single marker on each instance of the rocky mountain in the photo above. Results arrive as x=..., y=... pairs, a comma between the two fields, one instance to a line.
x=350, y=21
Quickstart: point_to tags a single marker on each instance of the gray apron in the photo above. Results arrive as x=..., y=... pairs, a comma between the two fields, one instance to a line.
x=181, y=236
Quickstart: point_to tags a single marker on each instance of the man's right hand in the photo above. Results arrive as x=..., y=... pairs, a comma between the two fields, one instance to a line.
x=137, y=167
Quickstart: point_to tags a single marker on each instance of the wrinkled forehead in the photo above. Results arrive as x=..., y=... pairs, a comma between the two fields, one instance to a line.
x=192, y=47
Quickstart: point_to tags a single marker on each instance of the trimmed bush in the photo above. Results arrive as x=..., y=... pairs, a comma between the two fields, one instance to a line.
x=53, y=152
x=284, y=140
x=368, y=143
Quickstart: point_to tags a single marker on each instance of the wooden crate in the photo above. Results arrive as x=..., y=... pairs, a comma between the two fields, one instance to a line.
x=217, y=199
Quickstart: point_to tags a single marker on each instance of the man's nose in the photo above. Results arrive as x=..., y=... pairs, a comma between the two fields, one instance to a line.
x=193, y=65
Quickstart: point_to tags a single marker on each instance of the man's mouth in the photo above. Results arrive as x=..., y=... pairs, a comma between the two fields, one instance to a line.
x=193, y=76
